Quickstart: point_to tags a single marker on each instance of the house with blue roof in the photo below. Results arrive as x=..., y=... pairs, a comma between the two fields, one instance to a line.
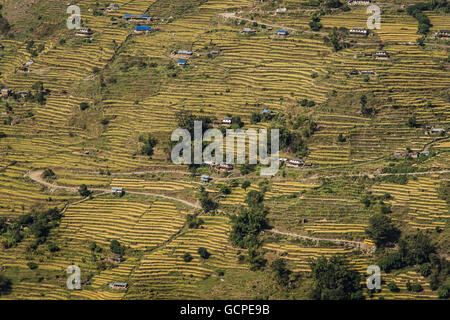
x=282, y=33
x=136, y=18
x=182, y=62
x=142, y=29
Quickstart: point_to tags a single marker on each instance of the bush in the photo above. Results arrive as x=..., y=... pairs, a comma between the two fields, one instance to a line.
x=32, y=265
x=203, y=252
x=84, y=106
x=443, y=292
x=187, y=257
x=393, y=286
x=5, y=284
x=84, y=191
x=116, y=247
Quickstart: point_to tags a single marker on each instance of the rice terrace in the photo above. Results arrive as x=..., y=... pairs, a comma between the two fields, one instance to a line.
x=354, y=96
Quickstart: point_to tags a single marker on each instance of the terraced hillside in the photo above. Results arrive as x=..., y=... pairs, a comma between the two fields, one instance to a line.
x=372, y=131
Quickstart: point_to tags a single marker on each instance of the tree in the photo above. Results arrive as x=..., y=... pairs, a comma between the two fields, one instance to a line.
x=5, y=284
x=246, y=184
x=32, y=265
x=149, y=143
x=84, y=191
x=443, y=292
x=203, y=252
x=187, y=257
x=393, y=287
x=48, y=174
x=412, y=122
x=416, y=248
x=206, y=202
x=281, y=272
x=84, y=106
x=334, y=279
x=116, y=247
x=382, y=231
x=254, y=198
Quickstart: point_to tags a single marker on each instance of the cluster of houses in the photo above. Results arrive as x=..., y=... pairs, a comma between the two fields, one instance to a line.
x=359, y=31
x=359, y=2
x=295, y=162
x=112, y=7
x=443, y=34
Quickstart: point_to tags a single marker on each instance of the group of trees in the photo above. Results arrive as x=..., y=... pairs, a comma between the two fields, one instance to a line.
x=39, y=224
x=334, y=280
x=206, y=202
x=116, y=247
x=149, y=142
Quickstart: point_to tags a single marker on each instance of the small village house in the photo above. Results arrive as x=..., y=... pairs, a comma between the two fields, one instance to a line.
x=142, y=29
x=294, y=162
x=226, y=121
x=281, y=10
x=443, y=34
x=182, y=62
x=224, y=167
x=282, y=33
x=205, y=178
x=136, y=18
x=6, y=92
x=118, y=285
x=381, y=55
x=358, y=31
x=112, y=7
x=117, y=191
x=84, y=32
x=248, y=31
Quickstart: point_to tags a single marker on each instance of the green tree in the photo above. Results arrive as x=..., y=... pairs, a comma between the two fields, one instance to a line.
x=84, y=191
x=116, y=247
x=334, y=279
x=382, y=230
x=149, y=142
x=203, y=252
x=282, y=273
x=5, y=284
x=187, y=257
x=246, y=184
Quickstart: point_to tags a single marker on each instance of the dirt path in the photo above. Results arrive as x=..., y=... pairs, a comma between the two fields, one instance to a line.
x=35, y=175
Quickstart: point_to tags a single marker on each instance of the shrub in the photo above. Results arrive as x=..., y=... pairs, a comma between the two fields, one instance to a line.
x=203, y=252
x=84, y=106
x=187, y=257
x=443, y=292
x=32, y=265
x=393, y=286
